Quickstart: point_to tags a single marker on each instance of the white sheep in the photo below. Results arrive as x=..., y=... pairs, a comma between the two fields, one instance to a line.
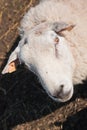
x=51, y=49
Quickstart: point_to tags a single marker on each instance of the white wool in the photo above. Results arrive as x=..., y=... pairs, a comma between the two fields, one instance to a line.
x=59, y=62
x=74, y=12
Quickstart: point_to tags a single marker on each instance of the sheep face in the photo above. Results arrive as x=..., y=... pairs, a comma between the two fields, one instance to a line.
x=48, y=55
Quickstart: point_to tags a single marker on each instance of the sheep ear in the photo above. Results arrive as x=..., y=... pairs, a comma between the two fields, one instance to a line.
x=61, y=26
x=12, y=62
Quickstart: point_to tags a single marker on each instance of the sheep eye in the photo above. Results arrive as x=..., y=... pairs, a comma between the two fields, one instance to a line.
x=56, y=40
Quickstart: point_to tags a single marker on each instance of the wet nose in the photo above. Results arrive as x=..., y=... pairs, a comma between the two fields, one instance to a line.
x=60, y=93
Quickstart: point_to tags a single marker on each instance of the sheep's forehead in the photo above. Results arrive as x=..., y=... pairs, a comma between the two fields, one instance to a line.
x=38, y=32
x=46, y=40
x=39, y=29
x=41, y=34
x=47, y=29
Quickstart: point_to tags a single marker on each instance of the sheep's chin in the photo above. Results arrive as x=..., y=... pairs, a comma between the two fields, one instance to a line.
x=65, y=99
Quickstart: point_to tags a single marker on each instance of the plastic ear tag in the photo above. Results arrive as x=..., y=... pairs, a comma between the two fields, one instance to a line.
x=13, y=66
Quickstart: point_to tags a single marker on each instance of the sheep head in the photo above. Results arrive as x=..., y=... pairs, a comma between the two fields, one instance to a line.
x=48, y=55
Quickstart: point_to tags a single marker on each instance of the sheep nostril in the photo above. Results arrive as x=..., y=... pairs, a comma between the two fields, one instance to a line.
x=58, y=94
x=61, y=86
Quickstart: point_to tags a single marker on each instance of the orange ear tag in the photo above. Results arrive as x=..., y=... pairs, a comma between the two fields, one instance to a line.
x=13, y=66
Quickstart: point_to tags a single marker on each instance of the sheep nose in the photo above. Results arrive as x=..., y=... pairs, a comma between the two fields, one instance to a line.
x=57, y=93
x=60, y=93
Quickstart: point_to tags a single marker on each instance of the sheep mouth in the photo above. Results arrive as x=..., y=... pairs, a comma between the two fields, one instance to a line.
x=63, y=98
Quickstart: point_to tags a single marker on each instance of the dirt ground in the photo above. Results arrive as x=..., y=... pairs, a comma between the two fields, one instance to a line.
x=24, y=105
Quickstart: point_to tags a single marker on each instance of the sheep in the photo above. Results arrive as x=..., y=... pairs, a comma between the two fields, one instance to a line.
x=53, y=45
